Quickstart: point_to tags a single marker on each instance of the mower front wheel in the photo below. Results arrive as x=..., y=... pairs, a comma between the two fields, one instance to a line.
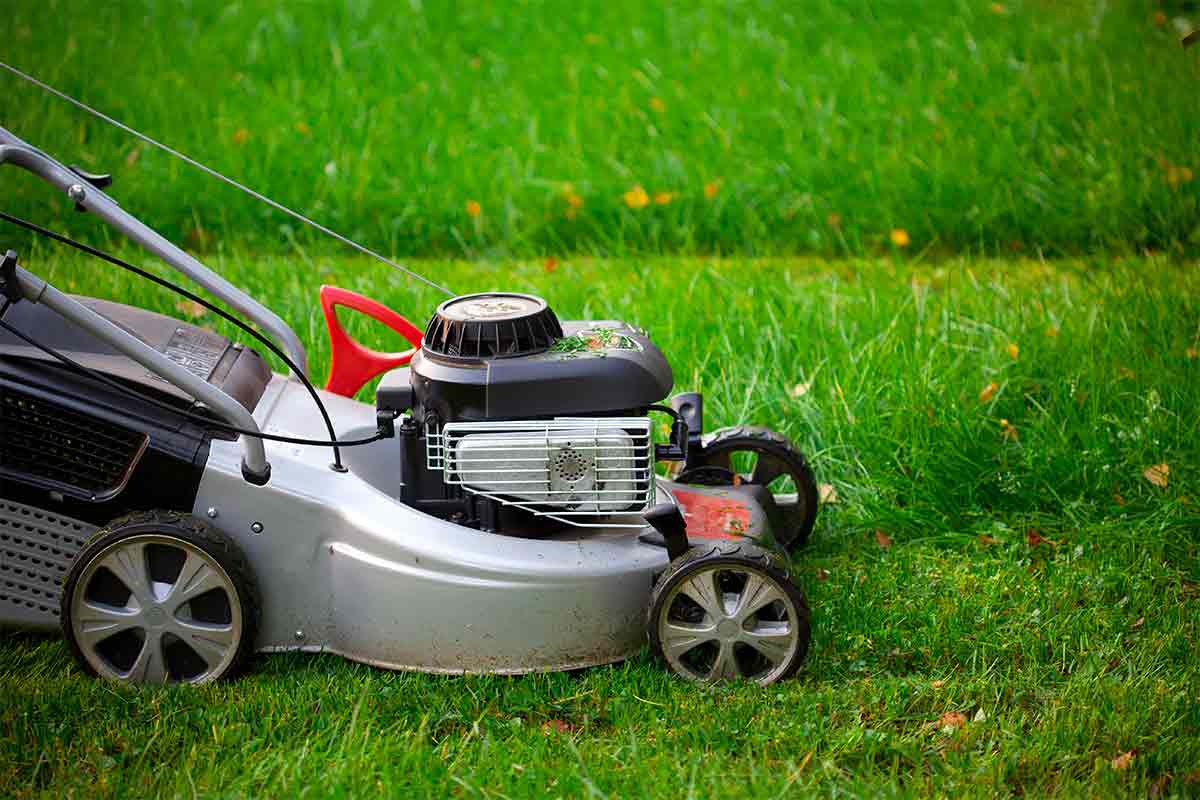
x=159, y=597
x=729, y=611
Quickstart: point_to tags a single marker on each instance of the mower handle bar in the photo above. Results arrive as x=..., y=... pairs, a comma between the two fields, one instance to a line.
x=255, y=467
x=88, y=197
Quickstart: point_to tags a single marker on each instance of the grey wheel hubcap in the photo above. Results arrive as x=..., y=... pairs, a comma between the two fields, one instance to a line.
x=153, y=609
x=729, y=621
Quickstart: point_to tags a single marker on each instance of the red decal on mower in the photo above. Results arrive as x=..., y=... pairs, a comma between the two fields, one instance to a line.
x=712, y=517
x=352, y=364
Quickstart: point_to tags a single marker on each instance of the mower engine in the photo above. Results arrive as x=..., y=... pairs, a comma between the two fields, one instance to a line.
x=510, y=413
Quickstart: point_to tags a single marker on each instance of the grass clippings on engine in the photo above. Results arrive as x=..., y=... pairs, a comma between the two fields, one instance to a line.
x=595, y=342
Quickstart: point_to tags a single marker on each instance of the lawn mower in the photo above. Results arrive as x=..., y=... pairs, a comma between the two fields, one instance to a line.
x=507, y=504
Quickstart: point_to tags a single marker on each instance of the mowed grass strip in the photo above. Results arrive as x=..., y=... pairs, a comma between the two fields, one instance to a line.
x=1003, y=602
x=509, y=128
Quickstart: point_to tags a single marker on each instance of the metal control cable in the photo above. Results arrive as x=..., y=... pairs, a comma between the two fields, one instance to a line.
x=333, y=441
x=210, y=171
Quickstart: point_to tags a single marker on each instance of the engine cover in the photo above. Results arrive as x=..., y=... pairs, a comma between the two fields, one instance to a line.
x=595, y=368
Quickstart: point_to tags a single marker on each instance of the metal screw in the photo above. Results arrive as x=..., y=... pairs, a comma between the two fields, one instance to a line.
x=299, y=636
x=257, y=527
x=75, y=193
x=212, y=512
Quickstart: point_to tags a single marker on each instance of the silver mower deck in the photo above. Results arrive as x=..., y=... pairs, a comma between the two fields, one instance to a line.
x=344, y=567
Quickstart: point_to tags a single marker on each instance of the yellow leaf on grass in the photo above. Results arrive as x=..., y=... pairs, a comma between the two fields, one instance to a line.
x=637, y=198
x=826, y=493
x=1123, y=761
x=882, y=539
x=473, y=208
x=800, y=389
x=711, y=188
x=1013, y=350
x=989, y=392
x=900, y=237
x=241, y=136
x=664, y=198
x=1192, y=353
x=658, y=105
x=190, y=308
x=1159, y=475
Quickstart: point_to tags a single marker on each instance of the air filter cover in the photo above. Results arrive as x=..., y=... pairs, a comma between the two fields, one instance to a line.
x=492, y=325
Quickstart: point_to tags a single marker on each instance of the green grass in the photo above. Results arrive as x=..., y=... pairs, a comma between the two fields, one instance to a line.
x=1021, y=127
x=1061, y=655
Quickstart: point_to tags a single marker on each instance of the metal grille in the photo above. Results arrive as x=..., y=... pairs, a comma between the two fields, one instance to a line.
x=36, y=550
x=63, y=449
x=571, y=469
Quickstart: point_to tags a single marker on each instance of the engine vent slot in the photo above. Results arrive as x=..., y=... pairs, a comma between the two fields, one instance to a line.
x=52, y=446
x=492, y=325
x=571, y=469
x=36, y=550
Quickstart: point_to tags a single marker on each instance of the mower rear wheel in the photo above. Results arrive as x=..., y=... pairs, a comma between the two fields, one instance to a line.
x=729, y=611
x=159, y=597
x=751, y=455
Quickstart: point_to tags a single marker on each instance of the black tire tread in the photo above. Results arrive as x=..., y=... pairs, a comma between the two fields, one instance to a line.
x=194, y=531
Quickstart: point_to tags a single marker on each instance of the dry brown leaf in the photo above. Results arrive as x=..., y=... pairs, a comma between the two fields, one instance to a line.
x=938, y=684
x=1159, y=475
x=1035, y=538
x=800, y=389
x=550, y=264
x=1123, y=761
x=1013, y=350
x=1138, y=623
x=190, y=308
x=951, y=720
x=1118, y=498
x=882, y=539
x=1192, y=353
x=556, y=726
x=989, y=392
x=826, y=493
x=987, y=541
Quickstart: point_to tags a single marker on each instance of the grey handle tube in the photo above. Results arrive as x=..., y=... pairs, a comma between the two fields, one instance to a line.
x=254, y=459
x=18, y=153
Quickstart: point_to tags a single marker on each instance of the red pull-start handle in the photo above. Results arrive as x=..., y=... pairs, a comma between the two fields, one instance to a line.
x=352, y=364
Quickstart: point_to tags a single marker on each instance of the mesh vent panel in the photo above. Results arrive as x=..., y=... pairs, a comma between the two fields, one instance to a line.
x=55, y=445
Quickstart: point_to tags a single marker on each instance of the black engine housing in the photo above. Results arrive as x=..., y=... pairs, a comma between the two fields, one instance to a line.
x=507, y=356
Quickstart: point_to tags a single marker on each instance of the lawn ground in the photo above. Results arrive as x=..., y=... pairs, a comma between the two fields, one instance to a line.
x=531, y=128
x=1003, y=601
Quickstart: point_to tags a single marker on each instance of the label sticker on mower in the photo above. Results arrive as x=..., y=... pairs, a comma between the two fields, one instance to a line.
x=196, y=351
x=712, y=517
